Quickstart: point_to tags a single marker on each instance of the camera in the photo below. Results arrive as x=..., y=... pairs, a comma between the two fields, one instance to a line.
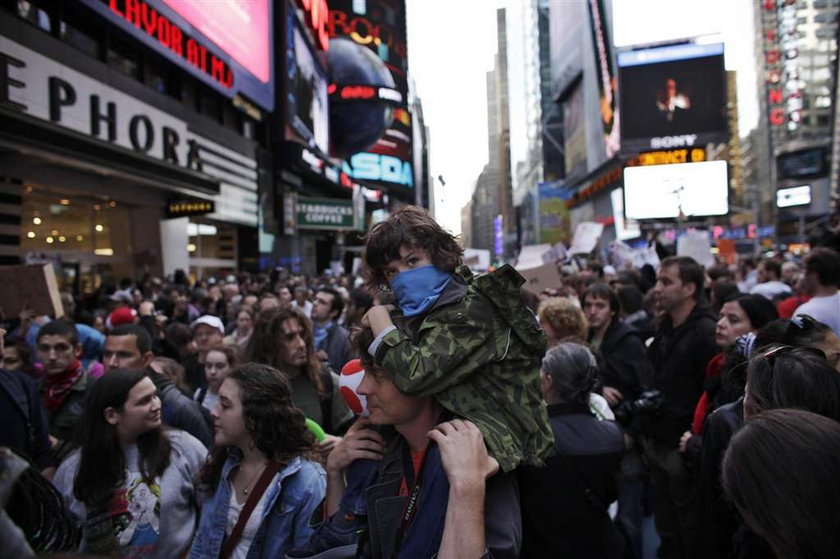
x=647, y=403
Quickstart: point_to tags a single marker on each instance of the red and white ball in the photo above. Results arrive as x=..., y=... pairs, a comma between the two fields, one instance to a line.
x=349, y=381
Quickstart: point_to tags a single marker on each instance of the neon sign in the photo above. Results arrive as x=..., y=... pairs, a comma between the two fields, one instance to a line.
x=672, y=156
x=385, y=168
x=157, y=26
x=364, y=93
x=317, y=15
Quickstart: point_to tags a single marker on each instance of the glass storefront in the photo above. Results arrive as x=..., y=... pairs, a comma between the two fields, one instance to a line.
x=212, y=247
x=88, y=239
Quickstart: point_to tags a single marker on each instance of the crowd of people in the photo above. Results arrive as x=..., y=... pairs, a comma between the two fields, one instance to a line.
x=159, y=418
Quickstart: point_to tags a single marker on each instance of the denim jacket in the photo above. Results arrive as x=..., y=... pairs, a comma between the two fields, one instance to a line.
x=289, y=503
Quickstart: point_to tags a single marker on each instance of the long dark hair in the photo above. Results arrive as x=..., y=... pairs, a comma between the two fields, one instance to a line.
x=264, y=346
x=102, y=462
x=760, y=312
x=277, y=427
x=781, y=471
x=792, y=377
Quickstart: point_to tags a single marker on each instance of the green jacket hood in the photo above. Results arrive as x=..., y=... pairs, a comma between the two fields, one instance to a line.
x=502, y=288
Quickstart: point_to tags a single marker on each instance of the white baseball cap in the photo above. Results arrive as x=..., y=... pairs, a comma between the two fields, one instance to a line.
x=209, y=320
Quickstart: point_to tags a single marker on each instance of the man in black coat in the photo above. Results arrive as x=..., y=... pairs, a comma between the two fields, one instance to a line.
x=682, y=347
x=624, y=372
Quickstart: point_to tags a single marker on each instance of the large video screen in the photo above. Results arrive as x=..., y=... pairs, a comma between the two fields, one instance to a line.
x=672, y=97
x=379, y=25
x=227, y=44
x=802, y=164
x=306, y=92
x=241, y=28
x=682, y=190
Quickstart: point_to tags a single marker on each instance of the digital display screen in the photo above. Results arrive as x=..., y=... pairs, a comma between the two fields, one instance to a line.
x=241, y=28
x=672, y=97
x=806, y=163
x=306, y=93
x=680, y=190
x=379, y=25
x=796, y=196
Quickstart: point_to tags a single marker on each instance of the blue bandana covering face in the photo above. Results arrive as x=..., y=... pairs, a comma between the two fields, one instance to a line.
x=417, y=290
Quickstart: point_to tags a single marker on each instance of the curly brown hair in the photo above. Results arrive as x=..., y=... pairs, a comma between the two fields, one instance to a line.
x=277, y=427
x=412, y=227
x=264, y=347
x=564, y=317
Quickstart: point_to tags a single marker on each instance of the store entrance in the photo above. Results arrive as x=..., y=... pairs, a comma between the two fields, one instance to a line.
x=87, y=239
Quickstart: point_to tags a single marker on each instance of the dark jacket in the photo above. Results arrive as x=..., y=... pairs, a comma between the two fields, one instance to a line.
x=23, y=419
x=559, y=519
x=62, y=423
x=720, y=519
x=679, y=357
x=643, y=324
x=424, y=532
x=194, y=376
x=179, y=411
x=337, y=346
x=626, y=365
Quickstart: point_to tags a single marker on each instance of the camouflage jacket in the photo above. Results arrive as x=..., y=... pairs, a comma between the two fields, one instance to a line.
x=478, y=351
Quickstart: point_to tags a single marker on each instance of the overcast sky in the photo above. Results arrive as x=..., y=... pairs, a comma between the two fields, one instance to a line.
x=451, y=46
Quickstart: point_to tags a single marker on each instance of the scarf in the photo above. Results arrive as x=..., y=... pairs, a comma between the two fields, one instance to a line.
x=56, y=387
x=320, y=334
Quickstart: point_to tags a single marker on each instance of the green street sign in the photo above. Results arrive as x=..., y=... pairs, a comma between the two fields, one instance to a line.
x=325, y=214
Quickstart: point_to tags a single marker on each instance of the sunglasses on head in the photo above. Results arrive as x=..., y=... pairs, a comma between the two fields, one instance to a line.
x=773, y=353
x=801, y=322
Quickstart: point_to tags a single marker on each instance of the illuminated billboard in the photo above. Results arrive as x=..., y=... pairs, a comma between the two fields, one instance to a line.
x=682, y=190
x=227, y=44
x=307, y=107
x=602, y=44
x=379, y=25
x=672, y=97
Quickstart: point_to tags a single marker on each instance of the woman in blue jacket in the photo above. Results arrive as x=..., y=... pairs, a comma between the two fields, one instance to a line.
x=264, y=488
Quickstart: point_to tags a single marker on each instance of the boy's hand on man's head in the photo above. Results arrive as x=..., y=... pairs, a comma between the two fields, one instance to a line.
x=378, y=318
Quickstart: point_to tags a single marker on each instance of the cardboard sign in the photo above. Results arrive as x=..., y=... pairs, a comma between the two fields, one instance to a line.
x=30, y=286
x=532, y=256
x=586, y=237
x=541, y=277
x=697, y=245
x=726, y=248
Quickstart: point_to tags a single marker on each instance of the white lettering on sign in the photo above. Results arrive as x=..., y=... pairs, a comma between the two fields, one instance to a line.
x=685, y=140
x=385, y=168
x=56, y=93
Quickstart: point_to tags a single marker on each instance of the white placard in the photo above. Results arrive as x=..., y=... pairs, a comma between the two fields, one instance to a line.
x=697, y=245
x=586, y=237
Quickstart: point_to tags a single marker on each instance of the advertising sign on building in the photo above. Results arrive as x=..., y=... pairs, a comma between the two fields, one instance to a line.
x=554, y=225
x=307, y=107
x=379, y=25
x=607, y=82
x=225, y=44
x=672, y=97
x=325, y=214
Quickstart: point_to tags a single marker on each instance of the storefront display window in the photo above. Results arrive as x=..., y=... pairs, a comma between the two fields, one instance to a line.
x=87, y=238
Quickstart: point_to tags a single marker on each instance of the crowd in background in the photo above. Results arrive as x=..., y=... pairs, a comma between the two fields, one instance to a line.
x=708, y=397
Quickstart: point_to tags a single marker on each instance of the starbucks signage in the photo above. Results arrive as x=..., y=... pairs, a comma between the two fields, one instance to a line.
x=325, y=213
